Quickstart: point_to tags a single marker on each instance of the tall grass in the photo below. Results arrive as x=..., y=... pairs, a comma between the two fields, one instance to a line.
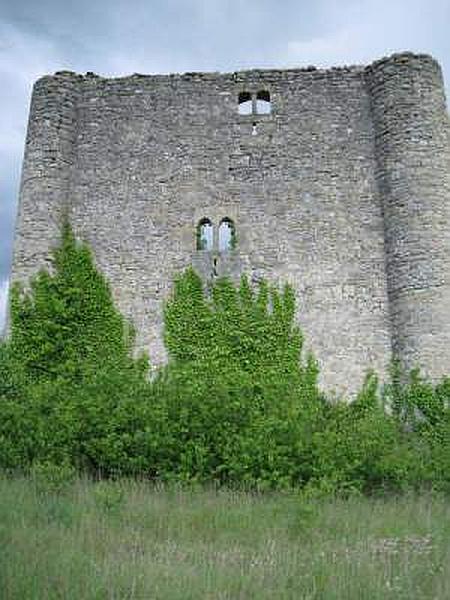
x=131, y=540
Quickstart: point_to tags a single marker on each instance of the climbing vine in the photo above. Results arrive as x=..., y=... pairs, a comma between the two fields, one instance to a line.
x=254, y=329
x=66, y=325
x=237, y=402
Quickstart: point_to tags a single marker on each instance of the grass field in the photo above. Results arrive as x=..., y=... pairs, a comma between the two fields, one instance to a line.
x=130, y=540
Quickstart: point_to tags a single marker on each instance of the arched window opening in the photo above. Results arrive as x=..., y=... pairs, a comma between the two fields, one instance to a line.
x=245, y=103
x=263, y=104
x=205, y=235
x=227, y=235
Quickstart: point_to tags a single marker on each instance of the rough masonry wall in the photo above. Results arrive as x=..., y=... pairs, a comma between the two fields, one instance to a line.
x=46, y=171
x=152, y=155
x=413, y=173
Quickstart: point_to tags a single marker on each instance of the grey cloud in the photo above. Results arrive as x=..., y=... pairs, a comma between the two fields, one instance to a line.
x=212, y=34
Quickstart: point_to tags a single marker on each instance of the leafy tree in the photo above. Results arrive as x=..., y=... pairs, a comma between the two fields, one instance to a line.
x=66, y=325
x=67, y=370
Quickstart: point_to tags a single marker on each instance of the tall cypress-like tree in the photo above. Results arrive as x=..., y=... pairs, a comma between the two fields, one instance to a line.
x=66, y=325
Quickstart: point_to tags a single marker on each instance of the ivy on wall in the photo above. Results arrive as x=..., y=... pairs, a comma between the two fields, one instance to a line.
x=66, y=325
x=237, y=403
x=253, y=329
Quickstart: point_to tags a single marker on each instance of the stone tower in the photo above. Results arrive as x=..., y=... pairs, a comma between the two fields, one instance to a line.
x=336, y=181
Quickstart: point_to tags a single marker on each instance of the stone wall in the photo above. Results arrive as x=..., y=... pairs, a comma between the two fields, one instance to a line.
x=413, y=175
x=349, y=162
x=47, y=167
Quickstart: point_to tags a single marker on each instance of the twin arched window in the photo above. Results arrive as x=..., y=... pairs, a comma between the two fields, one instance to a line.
x=206, y=239
x=255, y=104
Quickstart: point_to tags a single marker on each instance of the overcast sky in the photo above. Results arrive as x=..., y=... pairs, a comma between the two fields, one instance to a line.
x=118, y=37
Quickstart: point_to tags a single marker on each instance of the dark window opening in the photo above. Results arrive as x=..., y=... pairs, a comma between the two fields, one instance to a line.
x=255, y=104
x=263, y=104
x=245, y=103
x=227, y=235
x=205, y=235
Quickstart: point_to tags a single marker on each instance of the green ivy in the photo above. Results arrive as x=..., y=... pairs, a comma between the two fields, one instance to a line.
x=254, y=329
x=238, y=402
x=67, y=367
x=241, y=400
x=66, y=325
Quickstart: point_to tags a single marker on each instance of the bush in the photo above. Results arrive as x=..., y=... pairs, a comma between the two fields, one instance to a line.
x=51, y=478
x=66, y=326
x=67, y=369
x=240, y=402
x=361, y=446
x=237, y=403
x=422, y=413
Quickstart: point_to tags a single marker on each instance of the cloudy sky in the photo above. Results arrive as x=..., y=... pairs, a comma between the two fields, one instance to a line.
x=116, y=37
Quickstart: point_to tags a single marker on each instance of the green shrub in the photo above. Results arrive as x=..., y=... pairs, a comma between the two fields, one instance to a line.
x=67, y=369
x=109, y=496
x=66, y=326
x=361, y=446
x=52, y=478
x=237, y=403
x=422, y=413
x=240, y=402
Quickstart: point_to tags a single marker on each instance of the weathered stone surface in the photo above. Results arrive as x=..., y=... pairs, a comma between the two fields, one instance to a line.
x=344, y=191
